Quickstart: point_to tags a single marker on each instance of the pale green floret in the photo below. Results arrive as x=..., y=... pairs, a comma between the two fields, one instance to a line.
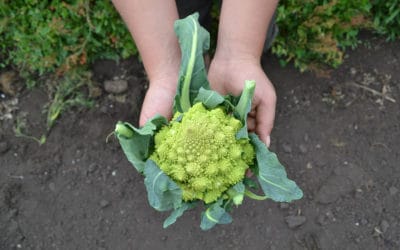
x=201, y=153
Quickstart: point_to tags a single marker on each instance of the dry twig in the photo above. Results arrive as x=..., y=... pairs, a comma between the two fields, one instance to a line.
x=373, y=91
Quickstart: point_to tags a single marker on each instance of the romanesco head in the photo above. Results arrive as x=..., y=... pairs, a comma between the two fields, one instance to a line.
x=201, y=153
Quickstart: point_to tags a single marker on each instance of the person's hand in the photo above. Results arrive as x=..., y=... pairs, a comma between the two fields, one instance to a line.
x=227, y=76
x=159, y=99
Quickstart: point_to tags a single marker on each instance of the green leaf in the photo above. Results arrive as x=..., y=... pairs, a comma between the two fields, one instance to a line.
x=214, y=214
x=244, y=107
x=272, y=175
x=178, y=213
x=194, y=40
x=163, y=193
x=137, y=143
x=209, y=98
x=236, y=193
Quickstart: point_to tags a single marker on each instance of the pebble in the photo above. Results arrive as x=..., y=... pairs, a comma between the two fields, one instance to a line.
x=103, y=109
x=322, y=220
x=384, y=226
x=284, y=205
x=393, y=190
x=294, y=221
x=330, y=215
x=287, y=148
x=104, y=203
x=52, y=186
x=92, y=167
x=116, y=86
x=4, y=147
x=303, y=148
x=364, y=222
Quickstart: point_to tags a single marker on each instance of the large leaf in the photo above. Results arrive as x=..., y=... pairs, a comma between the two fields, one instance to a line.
x=194, y=40
x=215, y=214
x=163, y=193
x=178, y=213
x=137, y=143
x=272, y=175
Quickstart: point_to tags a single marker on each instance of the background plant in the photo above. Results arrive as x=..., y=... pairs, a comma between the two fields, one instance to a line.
x=386, y=18
x=315, y=32
x=55, y=36
x=53, y=42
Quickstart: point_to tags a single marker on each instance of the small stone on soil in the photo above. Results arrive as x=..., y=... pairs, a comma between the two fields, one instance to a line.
x=384, y=226
x=104, y=203
x=392, y=190
x=284, y=205
x=294, y=221
x=287, y=148
x=4, y=147
x=52, y=186
x=322, y=220
x=364, y=222
x=116, y=86
x=303, y=148
x=92, y=167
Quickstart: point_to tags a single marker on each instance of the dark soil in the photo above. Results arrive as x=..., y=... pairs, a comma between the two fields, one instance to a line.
x=339, y=142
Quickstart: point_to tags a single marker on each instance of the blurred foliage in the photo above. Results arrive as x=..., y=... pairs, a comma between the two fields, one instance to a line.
x=55, y=36
x=38, y=37
x=314, y=33
x=71, y=90
x=386, y=18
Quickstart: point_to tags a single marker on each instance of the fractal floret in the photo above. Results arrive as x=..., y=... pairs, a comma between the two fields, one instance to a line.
x=200, y=152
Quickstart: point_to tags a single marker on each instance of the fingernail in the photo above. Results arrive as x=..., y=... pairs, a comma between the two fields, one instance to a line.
x=268, y=142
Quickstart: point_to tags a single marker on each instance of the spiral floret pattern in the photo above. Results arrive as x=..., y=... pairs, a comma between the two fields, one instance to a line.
x=201, y=153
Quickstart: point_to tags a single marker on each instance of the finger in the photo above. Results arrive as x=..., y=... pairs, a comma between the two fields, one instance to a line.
x=265, y=119
x=252, y=113
x=249, y=174
x=268, y=141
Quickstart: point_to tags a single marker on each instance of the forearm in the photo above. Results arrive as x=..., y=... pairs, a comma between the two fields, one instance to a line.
x=151, y=24
x=243, y=27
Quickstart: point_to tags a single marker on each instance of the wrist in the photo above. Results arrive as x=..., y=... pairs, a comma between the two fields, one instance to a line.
x=231, y=55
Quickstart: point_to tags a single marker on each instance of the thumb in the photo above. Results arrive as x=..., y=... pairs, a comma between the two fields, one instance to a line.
x=157, y=101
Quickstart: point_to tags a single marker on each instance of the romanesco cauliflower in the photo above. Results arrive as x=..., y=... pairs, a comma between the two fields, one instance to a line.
x=201, y=152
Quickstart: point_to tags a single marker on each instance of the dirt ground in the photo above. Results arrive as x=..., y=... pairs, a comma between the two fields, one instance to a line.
x=339, y=138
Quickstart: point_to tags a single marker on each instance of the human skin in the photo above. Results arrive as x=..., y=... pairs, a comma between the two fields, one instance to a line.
x=242, y=31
